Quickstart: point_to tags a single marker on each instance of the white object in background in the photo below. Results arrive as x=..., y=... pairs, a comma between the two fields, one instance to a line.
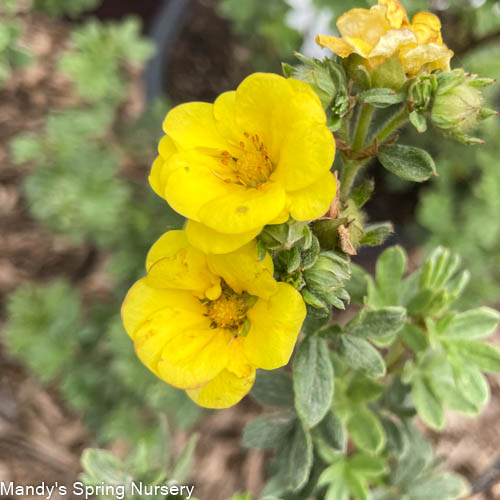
x=305, y=17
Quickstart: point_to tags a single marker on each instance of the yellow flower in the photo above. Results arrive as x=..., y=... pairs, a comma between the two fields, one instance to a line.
x=204, y=323
x=383, y=31
x=254, y=157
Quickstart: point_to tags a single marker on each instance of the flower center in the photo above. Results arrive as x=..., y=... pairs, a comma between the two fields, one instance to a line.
x=229, y=311
x=252, y=165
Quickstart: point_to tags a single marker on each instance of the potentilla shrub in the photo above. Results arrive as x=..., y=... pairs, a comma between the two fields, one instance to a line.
x=267, y=177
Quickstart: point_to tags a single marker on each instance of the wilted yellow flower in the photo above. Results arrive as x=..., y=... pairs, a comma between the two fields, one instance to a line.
x=204, y=323
x=254, y=157
x=381, y=32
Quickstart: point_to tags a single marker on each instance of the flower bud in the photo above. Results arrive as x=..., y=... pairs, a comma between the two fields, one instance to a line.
x=458, y=105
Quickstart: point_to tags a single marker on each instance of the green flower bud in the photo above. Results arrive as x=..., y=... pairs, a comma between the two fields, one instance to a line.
x=324, y=283
x=458, y=105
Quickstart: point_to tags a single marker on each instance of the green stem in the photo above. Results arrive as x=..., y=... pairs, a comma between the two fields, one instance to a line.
x=351, y=167
x=395, y=123
x=349, y=174
x=364, y=120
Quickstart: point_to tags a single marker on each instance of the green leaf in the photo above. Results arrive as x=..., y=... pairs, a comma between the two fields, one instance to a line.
x=273, y=388
x=428, y=406
x=295, y=458
x=102, y=465
x=357, y=486
x=361, y=355
x=414, y=337
x=376, y=234
x=377, y=324
x=473, y=324
x=483, y=355
x=438, y=486
x=363, y=192
x=312, y=380
x=471, y=383
x=184, y=461
x=418, y=120
x=390, y=268
x=445, y=389
x=363, y=389
x=381, y=98
x=366, y=430
x=367, y=465
x=408, y=162
x=268, y=431
x=332, y=431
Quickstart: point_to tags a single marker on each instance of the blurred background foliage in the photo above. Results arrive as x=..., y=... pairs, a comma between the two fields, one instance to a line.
x=86, y=180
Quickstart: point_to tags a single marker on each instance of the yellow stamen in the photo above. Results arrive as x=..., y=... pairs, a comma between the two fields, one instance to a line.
x=252, y=167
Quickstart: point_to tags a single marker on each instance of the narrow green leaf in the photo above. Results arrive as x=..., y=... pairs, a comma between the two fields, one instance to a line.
x=428, y=406
x=471, y=383
x=296, y=459
x=365, y=430
x=390, y=268
x=473, y=324
x=408, y=162
x=357, y=486
x=185, y=459
x=332, y=431
x=312, y=380
x=367, y=465
x=414, y=337
x=376, y=234
x=483, y=355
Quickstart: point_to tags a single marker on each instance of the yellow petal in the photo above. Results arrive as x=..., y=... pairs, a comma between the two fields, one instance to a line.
x=192, y=125
x=173, y=263
x=242, y=271
x=238, y=363
x=360, y=46
x=161, y=327
x=166, y=147
x=223, y=391
x=275, y=324
x=243, y=209
x=224, y=111
x=307, y=154
x=210, y=241
x=314, y=200
x=193, y=183
x=304, y=107
x=142, y=302
x=158, y=176
x=390, y=42
x=283, y=216
x=261, y=101
x=194, y=357
x=396, y=13
x=437, y=56
x=363, y=24
x=337, y=45
x=427, y=28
